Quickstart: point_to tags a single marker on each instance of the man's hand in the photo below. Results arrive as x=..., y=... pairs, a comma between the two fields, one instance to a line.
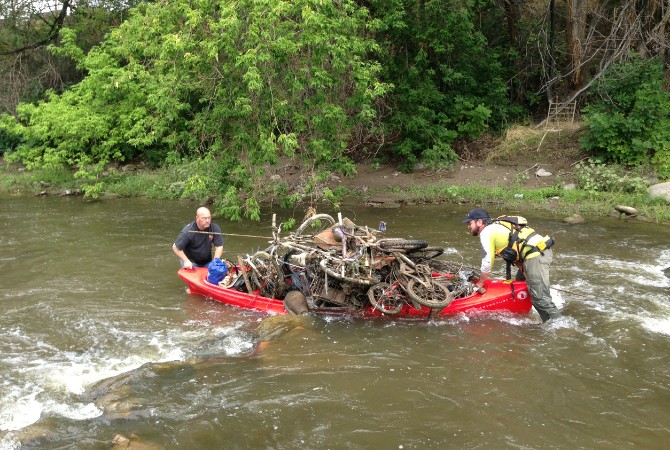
x=482, y=279
x=187, y=264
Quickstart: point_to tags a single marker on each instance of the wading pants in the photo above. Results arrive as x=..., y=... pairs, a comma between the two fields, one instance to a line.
x=536, y=273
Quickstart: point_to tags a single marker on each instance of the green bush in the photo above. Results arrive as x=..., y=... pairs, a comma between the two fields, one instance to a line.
x=10, y=134
x=629, y=117
x=447, y=79
x=234, y=86
x=594, y=176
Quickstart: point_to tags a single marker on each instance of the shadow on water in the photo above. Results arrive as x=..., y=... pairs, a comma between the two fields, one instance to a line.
x=99, y=340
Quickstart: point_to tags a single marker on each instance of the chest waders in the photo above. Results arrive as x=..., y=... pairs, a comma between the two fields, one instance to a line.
x=518, y=248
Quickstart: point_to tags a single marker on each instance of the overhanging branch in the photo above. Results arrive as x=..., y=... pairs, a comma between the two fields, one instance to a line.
x=51, y=36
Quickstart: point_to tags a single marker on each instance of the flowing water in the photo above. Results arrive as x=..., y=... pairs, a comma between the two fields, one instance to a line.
x=99, y=338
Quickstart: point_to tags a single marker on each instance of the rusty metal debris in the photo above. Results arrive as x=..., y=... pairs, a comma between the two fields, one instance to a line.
x=336, y=263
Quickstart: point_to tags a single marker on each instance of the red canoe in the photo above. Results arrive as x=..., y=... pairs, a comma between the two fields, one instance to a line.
x=500, y=296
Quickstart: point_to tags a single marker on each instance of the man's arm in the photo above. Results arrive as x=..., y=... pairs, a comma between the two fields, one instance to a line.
x=488, y=255
x=181, y=255
x=217, y=240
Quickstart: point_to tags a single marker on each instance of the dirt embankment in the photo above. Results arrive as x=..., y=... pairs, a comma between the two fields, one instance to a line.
x=466, y=173
x=527, y=157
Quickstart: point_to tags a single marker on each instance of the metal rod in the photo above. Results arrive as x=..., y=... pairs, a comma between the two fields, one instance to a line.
x=229, y=234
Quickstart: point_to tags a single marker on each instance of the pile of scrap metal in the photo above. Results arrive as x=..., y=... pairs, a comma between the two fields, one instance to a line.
x=329, y=263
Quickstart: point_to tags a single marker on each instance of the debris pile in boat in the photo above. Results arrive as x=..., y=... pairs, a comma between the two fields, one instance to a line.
x=337, y=264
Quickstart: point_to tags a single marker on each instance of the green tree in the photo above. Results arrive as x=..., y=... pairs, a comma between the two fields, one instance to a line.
x=238, y=84
x=448, y=82
x=629, y=116
x=27, y=27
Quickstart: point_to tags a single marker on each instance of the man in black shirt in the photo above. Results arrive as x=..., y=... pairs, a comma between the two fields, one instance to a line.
x=194, y=244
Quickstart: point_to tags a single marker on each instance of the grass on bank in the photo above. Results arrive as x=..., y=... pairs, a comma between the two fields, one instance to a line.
x=555, y=200
x=140, y=183
x=167, y=184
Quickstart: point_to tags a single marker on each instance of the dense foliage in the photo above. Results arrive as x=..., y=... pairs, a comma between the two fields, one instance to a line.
x=629, y=120
x=27, y=27
x=221, y=92
x=594, y=176
x=448, y=82
x=237, y=85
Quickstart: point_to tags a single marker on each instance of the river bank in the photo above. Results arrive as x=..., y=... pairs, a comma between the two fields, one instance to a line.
x=533, y=181
x=515, y=187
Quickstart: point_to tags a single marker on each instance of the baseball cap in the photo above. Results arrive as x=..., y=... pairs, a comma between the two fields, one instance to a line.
x=475, y=214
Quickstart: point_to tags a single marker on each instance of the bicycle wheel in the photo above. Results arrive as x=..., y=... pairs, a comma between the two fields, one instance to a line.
x=452, y=267
x=435, y=295
x=266, y=275
x=401, y=245
x=317, y=223
x=385, y=299
x=426, y=253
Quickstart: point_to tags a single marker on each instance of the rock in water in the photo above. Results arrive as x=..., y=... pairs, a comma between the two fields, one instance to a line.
x=275, y=326
x=574, y=219
x=133, y=442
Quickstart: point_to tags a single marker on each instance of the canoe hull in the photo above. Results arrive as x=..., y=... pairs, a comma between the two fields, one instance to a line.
x=500, y=296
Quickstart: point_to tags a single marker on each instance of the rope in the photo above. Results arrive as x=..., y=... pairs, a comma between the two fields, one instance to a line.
x=230, y=234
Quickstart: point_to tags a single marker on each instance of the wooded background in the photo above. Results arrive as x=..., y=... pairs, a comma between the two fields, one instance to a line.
x=237, y=85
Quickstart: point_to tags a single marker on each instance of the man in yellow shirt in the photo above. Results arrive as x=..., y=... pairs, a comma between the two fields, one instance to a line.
x=532, y=262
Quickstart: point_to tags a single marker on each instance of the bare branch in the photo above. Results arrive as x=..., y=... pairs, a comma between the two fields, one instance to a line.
x=626, y=29
x=55, y=27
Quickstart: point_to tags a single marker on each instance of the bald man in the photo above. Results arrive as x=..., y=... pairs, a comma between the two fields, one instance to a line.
x=194, y=244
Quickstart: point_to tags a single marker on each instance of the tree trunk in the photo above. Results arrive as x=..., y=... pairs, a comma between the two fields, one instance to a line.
x=552, y=47
x=575, y=35
x=513, y=16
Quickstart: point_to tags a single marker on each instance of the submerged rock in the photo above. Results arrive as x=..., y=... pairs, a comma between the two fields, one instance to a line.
x=31, y=436
x=275, y=326
x=384, y=201
x=574, y=219
x=133, y=442
x=117, y=398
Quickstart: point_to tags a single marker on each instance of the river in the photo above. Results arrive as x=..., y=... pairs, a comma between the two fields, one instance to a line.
x=89, y=291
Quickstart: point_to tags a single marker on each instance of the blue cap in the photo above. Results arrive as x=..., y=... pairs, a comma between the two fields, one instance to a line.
x=475, y=214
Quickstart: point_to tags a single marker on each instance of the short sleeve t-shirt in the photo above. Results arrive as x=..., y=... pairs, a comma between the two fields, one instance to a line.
x=197, y=244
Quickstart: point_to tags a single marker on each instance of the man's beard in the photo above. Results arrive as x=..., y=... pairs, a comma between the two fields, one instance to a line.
x=475, y=232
